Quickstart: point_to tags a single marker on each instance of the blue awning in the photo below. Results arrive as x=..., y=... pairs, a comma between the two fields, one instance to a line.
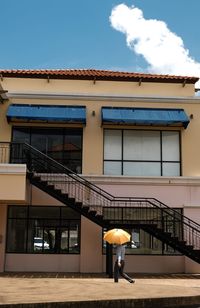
x=144, y=116
x=46, y=113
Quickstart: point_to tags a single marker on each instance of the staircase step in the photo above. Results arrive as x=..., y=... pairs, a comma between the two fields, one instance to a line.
x=85, y=208
x=168, y=234
x=175, y=239
x=36, y=177
x=71, y=200
x=50, y=186
x=100, y=217
x=154, y=229
x=65, y=196
x=190, y=247
x=59, y=191
x=93, y=213
x=182, y=242
x=197, y=251
x=79, y=204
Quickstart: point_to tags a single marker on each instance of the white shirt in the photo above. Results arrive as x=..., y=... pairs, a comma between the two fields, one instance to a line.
x=120, y=252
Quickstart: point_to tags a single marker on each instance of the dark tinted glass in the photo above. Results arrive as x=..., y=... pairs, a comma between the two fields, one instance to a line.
x=21, y=134
x=62, y=144
x=43, y=229
x=17, y=211
x=44, y=212
x=17, y=235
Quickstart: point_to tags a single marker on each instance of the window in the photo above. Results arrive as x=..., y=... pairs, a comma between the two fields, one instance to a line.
x=62, y=144
x=43, y=229
x=145, y=243
x=141, y=152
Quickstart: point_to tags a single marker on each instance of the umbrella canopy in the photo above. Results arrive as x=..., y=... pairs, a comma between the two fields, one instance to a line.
x=117, y=236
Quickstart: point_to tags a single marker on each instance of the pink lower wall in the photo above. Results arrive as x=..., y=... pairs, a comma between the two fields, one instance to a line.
x=191, y=266
x=152, y=264
x=70, y=264
x=171, y=195
x=155, y=264
x=91, y=247
x=180, y=192
x=42, y=263
x=3, y=220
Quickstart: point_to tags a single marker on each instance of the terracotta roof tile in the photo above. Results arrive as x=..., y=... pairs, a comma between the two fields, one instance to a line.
x=88, y=74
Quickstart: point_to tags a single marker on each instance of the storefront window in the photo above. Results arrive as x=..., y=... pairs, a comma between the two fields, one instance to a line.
x=145, y=243
x=44, y=229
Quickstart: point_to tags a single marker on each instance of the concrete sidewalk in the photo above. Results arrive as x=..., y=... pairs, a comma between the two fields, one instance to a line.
x=64, y=290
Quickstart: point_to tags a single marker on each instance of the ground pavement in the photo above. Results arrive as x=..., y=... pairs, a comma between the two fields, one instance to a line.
x=64, y=290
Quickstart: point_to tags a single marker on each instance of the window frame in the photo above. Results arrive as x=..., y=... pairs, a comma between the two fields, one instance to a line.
x=27, y=219
x=161, y=161
x=64, y=133
x=150, y=240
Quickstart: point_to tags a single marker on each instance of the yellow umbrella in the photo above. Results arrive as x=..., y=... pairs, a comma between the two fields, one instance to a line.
x=117, y=236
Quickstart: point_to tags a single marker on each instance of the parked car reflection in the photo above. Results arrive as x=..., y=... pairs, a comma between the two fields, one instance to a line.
x=40, y=244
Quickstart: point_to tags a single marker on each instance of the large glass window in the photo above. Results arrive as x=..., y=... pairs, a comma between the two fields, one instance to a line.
x=62, y=144
x=145, y=243
x=43, y=229
x=141, y=152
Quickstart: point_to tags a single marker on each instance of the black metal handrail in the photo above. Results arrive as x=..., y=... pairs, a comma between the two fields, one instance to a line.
x=89, y=194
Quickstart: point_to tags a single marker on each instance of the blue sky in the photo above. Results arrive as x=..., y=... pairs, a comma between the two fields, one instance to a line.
x=82, y=34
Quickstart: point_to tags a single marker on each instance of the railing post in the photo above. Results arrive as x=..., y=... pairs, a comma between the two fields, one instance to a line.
x=109, y=260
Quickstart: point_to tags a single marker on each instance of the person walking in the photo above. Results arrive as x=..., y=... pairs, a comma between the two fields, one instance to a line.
x=120, y=263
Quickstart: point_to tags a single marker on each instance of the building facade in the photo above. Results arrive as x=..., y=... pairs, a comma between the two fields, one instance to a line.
x=131, y=136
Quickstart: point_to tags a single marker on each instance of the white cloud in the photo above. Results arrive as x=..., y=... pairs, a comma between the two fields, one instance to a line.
x=163, y=50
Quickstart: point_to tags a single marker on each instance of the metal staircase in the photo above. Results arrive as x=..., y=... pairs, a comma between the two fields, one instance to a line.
x=149, y=214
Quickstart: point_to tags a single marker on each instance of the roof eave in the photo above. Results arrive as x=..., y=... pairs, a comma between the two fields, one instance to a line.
x=97, y=75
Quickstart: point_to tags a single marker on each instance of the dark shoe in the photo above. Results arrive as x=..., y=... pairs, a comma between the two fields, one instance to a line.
x=132, y=281
x=115, y=280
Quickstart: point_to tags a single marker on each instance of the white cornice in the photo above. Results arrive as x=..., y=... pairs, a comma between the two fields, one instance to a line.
x=101, y=97
x=12, y=169
x=139, y=180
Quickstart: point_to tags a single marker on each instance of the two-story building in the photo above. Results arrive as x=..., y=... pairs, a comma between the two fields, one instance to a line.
x=132, y=144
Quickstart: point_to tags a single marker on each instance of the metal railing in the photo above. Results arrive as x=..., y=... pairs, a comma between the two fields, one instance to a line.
x=114, y=210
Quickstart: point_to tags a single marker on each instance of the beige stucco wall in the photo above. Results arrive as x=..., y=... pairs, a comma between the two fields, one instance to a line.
x=99, y=87
x=191, y=142
x=93, y=131
x=12, y=183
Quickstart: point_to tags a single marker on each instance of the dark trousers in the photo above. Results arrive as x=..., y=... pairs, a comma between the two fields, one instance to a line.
x=119, y=270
